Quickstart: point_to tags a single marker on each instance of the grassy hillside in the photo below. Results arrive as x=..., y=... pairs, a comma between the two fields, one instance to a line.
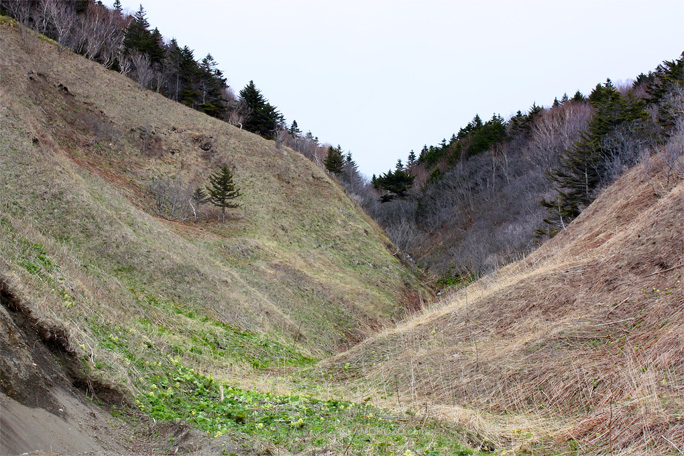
x=81, y=145
x=577, y=349
x=274, y=333
x=169, y=316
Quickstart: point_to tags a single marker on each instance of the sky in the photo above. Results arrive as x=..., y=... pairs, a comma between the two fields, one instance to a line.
x=384, y=77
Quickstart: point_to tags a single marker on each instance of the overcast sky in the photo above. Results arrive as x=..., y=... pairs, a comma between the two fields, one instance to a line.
x=384, y=77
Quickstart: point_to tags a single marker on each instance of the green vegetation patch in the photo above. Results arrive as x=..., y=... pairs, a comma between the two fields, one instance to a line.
x=294, y=422
x=193, y=332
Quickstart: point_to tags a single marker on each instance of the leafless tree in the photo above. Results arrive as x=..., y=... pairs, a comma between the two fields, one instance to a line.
x=172, y=198
x=280, y=135
x=102, y=34
x=20, y=10
x=554, y=131
x=125, y=63
x=61, y=18
x=143, y=72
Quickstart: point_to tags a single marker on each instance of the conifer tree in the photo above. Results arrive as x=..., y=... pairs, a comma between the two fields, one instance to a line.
x=138, y=36
x=334, y=161
x=211, y=84
x=294, y=130
x=583, y=165
x=578, y=97
x=411, y=158
x=222, y=190
x=262, y=118
x=395, y=183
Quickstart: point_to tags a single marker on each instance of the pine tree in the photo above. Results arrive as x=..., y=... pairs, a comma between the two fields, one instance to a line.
x=578, y=97
x=395, y=183
x=294, y=130
x=334, y=161
x=262, y=118
x=212, y=84
x=411, y=158
x=222, y=190
x=351, y=177
x=117, y=6
x=138, y=35
x=669, y=74
x=667, y=77
x=583, y=166
x=189, y=74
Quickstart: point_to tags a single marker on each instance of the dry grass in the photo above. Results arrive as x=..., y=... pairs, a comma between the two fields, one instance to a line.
x=299, y=262
x=577, y=346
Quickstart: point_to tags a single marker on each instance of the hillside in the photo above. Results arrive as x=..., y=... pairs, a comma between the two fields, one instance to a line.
x=132, y=322
x=577, y=349
x=107, y=297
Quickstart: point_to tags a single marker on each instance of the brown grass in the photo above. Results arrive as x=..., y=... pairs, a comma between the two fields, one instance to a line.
x=298, y=262
x=580, y=341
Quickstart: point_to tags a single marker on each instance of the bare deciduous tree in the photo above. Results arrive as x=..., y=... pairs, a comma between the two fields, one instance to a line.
x=142, y=69
x=172, y=198
x=61, y=18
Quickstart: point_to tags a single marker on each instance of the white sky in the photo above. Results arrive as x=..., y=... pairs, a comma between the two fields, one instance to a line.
x=383, y=77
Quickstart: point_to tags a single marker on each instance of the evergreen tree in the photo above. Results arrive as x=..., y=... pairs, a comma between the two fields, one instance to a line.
x=155, y=48
x=669, y=74
x=423, y=154
x=212, y=84
x=117, y=6
x=351, y=177
x=411, y=158
x=395, y=183
x=189, y=74
x=584, y=165
x=262, y=118
x=222, y=190
x=534, y=110
x=294, y=130
x=578, y=97
x=334, y=161
x=138, y=36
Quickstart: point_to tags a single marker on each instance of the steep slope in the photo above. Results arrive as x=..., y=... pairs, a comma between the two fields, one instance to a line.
x=578, y=348
x=81, y=145
x=296, y=273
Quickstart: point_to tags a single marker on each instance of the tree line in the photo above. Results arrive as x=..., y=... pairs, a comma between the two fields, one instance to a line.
x=493, y=190
x=128, y=44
